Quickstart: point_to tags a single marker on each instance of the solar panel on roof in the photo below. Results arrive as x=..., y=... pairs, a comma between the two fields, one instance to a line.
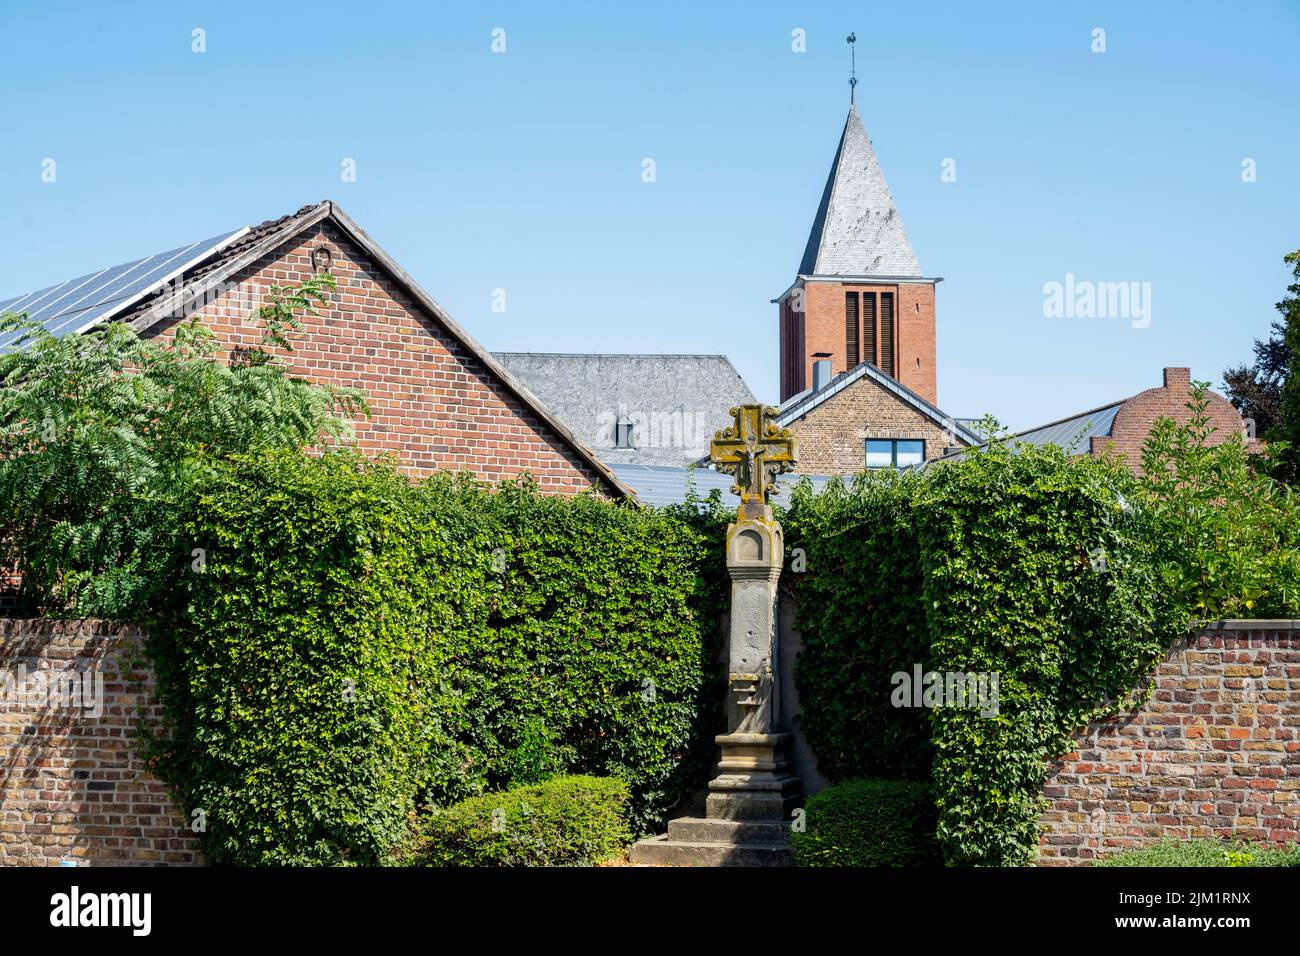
x=79, y=304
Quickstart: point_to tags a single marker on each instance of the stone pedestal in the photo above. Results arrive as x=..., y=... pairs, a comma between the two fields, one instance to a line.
x=753, y=793
x=754, y=780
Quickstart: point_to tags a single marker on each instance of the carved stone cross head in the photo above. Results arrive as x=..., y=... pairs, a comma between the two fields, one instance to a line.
x=754, y=449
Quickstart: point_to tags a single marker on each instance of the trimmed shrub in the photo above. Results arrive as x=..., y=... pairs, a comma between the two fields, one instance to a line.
x=593, y=618
x=1171, y=852
x=567, y=821
x=870, y=823
x=356, y=647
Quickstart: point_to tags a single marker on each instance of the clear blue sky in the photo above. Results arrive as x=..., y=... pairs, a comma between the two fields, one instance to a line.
x=522, y=170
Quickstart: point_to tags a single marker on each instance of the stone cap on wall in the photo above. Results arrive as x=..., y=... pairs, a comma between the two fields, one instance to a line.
x=12, y=627
x=1253, y=624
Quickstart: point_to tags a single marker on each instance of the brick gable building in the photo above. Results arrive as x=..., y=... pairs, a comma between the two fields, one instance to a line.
x=862, y=418
x=1122, y=427
x=438, y=400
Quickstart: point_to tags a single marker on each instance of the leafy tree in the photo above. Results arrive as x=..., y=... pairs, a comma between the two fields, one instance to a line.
x=102, y=433
x=1289, y=426
x=1268, y=392
x=1229, y=535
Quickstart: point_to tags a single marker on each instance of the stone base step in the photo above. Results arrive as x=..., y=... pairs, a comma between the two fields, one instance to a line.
x=702, y=830
x=661, y=851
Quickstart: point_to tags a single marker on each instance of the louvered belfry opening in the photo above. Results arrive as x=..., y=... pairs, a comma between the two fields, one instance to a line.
x=869, y=327
x=792, y=350
x=887, y=333
x=852, y=331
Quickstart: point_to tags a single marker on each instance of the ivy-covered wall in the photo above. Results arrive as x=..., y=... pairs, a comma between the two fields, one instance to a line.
x=1030, y=569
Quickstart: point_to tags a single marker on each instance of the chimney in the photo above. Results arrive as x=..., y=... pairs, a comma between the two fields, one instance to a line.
x=821, y=374
x=1180, y=377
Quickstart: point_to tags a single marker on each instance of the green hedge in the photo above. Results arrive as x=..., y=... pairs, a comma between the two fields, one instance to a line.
x=869, y=823
x=862, y=617
x=567, y=821
x=286, y=667
x=1200, y=853
x=358, y=646
x=1026, y=565
x=1041, y=569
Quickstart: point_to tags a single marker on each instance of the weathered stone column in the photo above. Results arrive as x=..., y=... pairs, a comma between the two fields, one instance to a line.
x=753, y=780
x=753, y=792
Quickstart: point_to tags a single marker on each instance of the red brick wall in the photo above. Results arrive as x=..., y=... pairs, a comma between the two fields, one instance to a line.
x=1214, y=753
x=72, y=785
x=1136, y=416
x=432, y=403
x=914, y=320
x=916, y=340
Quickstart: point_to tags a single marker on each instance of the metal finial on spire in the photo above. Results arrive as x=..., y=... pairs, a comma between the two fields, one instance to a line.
x=851, y=39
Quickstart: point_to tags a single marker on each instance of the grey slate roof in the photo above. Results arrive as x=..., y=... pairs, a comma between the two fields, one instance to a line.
x=857, y=231
x=660, y=485
x=1074, y=434
x=674, y=402
x=797, y=406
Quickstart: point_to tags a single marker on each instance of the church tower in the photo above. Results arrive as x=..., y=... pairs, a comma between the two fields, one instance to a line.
x=859, y=295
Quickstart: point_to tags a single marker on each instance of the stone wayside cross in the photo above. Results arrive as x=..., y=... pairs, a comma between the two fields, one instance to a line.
x=754, y=449
x=753, y=793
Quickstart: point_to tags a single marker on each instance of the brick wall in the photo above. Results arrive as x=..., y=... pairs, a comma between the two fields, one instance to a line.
x=432, y=402
x=916, y=340
x=72, y=786
x=1214, y=753
x=832, y=437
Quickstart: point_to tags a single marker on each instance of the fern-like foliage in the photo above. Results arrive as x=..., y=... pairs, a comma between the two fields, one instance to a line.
x=102, y=435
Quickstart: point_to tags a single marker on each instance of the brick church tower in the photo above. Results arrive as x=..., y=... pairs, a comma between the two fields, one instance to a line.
x=859, y=295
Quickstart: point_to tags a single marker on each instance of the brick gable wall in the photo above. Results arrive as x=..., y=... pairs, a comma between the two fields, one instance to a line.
x=832, y=436
x=433, y=403
x=1138, y=414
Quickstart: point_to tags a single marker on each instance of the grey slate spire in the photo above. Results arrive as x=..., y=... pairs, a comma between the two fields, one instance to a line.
x=858, y=231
